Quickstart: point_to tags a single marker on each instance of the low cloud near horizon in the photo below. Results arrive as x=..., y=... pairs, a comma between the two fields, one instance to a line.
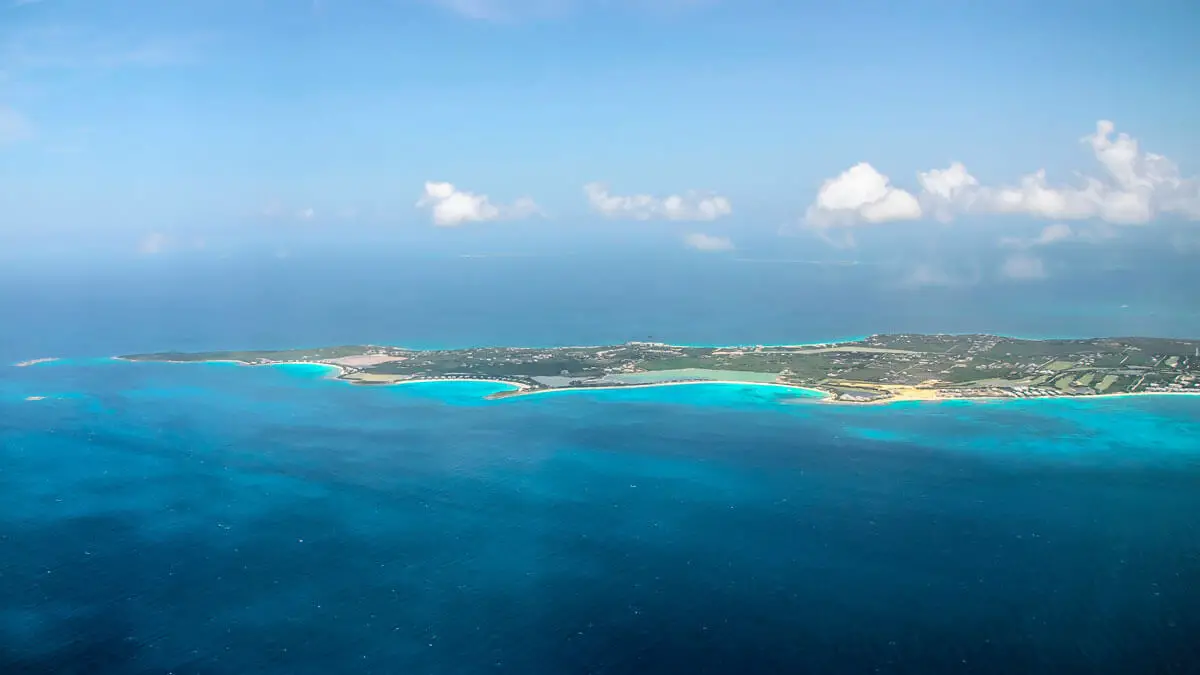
x=154, y=243
x=691, y=206
x=1137, y=187
x=450, y=206
x=1057, y=233
x=707, y=242
x=1023, y=267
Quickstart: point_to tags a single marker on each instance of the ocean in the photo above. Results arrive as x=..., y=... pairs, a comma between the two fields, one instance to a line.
x=214, y=518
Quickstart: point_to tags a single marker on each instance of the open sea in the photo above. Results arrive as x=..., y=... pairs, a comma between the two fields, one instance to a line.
x=214, y=518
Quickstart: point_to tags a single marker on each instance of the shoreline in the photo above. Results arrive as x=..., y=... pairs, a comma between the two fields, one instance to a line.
x=34, y=362
x=819, y=395
x=527, y=391
x=341, y=370
x=816, y=395
x=520, y=388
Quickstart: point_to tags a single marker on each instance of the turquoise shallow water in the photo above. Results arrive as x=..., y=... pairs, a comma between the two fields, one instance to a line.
x=224, y=519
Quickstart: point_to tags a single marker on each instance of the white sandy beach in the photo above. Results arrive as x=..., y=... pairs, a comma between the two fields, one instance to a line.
x=34, y=362
x=528, y=392
x=340, y=370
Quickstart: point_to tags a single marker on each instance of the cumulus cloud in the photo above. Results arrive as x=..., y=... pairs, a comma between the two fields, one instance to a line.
x=450, y=207
x=861, y=194
x=692, y=206
x=1136, y=187
x=707, y=242
x=1054, y=233
x=1023, y=267
x=1051, y=234
x=947, y=191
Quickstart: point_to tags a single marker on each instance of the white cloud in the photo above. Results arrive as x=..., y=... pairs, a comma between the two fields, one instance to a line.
x=1023, y=268
x=307, y=213
x=450, y=206
x=1054, y=233
x=1060, y=232
x=1051, y=234
x=1136, y=188
x=13, y=126
x=861, y=194
x=707, y=242
x=945, y=191
x=692, y=206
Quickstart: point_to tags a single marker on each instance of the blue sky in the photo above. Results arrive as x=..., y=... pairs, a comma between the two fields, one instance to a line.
x=148, y=124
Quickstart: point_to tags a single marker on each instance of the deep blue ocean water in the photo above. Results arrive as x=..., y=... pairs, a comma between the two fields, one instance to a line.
x=221, y=519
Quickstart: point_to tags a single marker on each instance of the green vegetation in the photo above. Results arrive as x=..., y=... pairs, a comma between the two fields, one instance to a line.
x=869, y=369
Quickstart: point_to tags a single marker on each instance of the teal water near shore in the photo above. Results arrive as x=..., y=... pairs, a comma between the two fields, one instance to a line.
x=222, y=519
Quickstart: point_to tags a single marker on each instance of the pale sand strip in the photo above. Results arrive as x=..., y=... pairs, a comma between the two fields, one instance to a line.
x=913, y=395
x=521, y=386
x=340, y=370
x=34, y=362
x=646, y=385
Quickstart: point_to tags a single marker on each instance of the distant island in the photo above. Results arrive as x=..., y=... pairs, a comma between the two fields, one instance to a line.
x=876, y=369
x=34, y=362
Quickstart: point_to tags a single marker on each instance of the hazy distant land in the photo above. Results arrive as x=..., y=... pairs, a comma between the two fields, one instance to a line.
x=876, y=369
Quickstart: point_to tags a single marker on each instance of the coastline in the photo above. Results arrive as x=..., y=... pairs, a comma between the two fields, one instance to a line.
x=34, y=362
x=815, y=393
x=519, y=388
x=818, y=395
x=340, y=369
x=527, y=391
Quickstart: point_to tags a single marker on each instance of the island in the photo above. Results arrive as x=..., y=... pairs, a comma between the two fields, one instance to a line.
x=879, y=368
x=34, y=362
